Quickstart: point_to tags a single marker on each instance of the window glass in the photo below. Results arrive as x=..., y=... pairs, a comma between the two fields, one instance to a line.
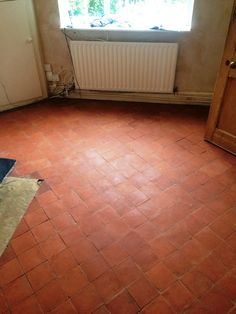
x=127, y=14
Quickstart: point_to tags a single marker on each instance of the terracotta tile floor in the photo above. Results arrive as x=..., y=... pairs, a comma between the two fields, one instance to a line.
x=137, y=213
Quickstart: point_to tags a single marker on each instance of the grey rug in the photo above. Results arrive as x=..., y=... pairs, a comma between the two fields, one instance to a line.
x=15, y=196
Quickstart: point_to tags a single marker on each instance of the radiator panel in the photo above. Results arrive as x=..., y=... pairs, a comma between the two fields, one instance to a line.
x=123, y=66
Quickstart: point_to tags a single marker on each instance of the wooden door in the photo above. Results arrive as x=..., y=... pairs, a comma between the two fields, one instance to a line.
x=221, y=125
x=20, y=65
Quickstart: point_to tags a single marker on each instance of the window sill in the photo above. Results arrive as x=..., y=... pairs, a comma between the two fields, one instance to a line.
x=103, y=34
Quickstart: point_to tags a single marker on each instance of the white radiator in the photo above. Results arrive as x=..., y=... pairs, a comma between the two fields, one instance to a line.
x=123, y=66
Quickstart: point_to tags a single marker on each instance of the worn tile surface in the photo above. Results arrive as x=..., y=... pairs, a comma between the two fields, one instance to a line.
x=137, y=213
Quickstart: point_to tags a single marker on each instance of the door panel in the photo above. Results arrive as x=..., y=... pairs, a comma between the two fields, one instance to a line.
x=18, y=67
x=221, y=125
x=227, y=118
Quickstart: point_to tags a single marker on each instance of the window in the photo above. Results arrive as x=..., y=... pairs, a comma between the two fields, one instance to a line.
x=127, y=14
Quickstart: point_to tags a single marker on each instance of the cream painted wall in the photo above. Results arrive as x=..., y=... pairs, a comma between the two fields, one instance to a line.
x=200, y=50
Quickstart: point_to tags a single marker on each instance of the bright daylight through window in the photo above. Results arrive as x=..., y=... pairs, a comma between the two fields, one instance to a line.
x=173, y=15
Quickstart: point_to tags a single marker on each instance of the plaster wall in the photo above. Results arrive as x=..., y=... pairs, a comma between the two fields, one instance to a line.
x=200, y=50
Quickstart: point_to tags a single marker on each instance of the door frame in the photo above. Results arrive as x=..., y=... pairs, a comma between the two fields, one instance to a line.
x=38, y=52
x=212, y=132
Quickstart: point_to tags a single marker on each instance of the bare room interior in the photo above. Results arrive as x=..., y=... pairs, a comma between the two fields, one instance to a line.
x=117, y=156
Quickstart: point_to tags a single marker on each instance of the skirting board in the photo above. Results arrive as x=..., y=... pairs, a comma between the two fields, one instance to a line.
x=177, y=98
x=20, y=104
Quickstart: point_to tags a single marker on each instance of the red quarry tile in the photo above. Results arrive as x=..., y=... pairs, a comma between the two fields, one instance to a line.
x=164, y=182
x=194, y=252
x=17, y=291
x=62, y=221
x=161, y=276
x=50, y=296
x=31, y=258
x=231, y=240
x=208, y=191
x=159, y=305
x=215, y=167
x=71, y=199
x=228, y=286
x=178, y=263
x=3, y=304
x=163, y=162
x=212, y=267
x=150, y=189
x=91, y=224
x=95, y=202
x=43, y=231
x=123, y=304
x=107, y=285
x=192, y=224
x=87, y=300
x=216, y=302
x=147, y=231
x=73, y=281
x=162, y=247
x=196, y=282
x=35, y=218
x=178, y=235
x=205, y=215
x=226, y=255
x=101, y=239
x=54, y=208
x=10, y=271
x=117, y=229
x=103, y=310
x=46, y=198
x=178, y=297
x=40, y=276
x=164, y=221
x=80, y=211
x=142, y=291
x=221, y=228
x=29, y=305
x=132, y=242
x=138, y=180
x=221, y=203
x=83, y=250
x=71, y=235
x=7, y=255
x=114, y=254
x=65, y=308
x=194, y=181
x=21, y=228
x=197, y=308
x=145, y=258
x=134, y=218
x=229, y=216
x=94, y=267
x=208, y=238
x=122, y=205
x=62, y=262
x=127, y=272
x=23, y=242
x=33, y=205
x=52, y=246
x=137, y=197
x=108, y=214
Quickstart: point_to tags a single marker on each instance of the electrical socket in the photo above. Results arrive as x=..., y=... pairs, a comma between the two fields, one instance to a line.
x=47, y=68
x=55, y=78
x=49, y=76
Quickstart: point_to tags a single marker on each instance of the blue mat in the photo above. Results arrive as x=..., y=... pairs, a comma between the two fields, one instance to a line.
x=6, y=166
